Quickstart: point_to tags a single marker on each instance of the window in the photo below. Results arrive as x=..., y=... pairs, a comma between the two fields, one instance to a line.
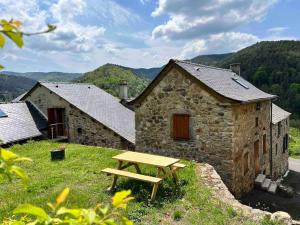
x=256, y=121
x=246, y=166
x=181, y=127
x=285, y=143
x=276, y=147
x=279, y=129
x=258, y=106
x=79, y=130
x=2, y=114
x=265, y=144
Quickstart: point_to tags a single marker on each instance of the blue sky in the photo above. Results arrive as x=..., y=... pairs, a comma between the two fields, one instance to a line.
x=141, y=33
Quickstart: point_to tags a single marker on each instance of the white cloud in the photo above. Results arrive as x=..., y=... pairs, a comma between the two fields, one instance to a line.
x=193, y=18
x=275, y=31
x=111, y=12
x=218, y=43
x=66, y=10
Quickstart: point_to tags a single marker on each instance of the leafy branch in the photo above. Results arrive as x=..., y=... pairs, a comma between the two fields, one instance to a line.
x=12, y=30
x=99, y=215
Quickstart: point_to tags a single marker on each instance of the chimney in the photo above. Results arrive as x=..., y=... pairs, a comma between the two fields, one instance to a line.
x=123, y=94
x=236, y=68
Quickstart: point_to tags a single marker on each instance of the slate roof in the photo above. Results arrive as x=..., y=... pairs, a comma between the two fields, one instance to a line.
x=18, y=99
x=278, y=114
x=225, y=82
x=98, y=104
x=23, y=122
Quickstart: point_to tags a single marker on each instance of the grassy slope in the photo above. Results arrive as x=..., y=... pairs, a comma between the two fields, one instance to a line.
x=294, y=145
x=81, y=172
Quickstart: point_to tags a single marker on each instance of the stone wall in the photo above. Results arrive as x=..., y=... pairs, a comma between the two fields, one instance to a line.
x=251, y=122
x=211, y=123
x=81, y=128
x=280, y=156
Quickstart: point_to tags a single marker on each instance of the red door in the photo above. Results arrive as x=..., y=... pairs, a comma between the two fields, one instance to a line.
x=55, y=122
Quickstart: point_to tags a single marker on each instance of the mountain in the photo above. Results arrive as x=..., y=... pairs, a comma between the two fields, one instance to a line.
x=109, y=76
x=12, y=86
x=148, y=73
x=46, y=76
x=273, y=66
x=210, y=60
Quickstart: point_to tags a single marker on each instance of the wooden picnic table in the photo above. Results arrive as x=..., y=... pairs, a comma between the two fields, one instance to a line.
x=166, y=167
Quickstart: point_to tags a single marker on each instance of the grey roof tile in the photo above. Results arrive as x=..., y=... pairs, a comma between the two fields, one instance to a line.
x=225, y=82
x=23, y=121
x=98, y=104
x=278, y=114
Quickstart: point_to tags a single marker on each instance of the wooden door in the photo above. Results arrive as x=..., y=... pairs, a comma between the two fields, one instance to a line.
x=51, y=122
x=256, y=157
x=56, y=122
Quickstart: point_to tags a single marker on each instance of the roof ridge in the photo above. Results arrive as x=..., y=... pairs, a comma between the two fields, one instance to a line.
x=65, y=82
x=202, y=65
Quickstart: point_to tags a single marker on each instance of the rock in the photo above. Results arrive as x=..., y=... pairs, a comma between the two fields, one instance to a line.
x=259, y=180
x=266, y=184
x=282, y=217
x=273, y=187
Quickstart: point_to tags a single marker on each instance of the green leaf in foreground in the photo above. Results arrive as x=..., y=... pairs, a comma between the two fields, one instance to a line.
x=31, y=210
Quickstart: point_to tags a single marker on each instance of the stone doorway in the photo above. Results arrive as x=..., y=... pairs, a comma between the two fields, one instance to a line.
x=256, y=157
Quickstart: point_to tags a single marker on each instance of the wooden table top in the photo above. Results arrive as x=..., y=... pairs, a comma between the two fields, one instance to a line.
x=148, y=159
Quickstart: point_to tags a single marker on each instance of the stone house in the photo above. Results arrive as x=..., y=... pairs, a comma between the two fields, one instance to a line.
x=209, y=115
x=83, y=113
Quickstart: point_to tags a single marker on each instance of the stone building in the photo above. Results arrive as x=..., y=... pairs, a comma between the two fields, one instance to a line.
x=210, y=115
x=280, y=138
x=83, y=113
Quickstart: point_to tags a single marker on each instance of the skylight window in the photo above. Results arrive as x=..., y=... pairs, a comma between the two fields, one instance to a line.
x=2, y=114
x=240, y=82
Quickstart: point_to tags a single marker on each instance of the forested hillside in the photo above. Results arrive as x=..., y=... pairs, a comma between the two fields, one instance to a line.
x=46, y=76
x=273, y=66
x=210, y=60
x=109, y=76
x=13, y=86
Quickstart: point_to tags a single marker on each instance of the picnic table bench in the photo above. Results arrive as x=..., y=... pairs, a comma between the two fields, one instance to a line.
x=135, y=158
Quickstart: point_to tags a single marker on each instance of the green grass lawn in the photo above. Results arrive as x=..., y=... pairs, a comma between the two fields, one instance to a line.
x=190, y=203
x=294, y=143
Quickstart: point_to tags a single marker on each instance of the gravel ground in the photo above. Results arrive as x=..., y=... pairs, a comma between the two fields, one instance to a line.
x=272, y=203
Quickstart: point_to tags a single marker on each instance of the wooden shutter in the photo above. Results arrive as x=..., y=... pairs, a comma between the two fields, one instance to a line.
x=181, y=127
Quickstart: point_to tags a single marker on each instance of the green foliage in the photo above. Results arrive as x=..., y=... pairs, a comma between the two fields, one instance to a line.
x=101, y=214
x=109, y=76
x=273, y=66
x=46, y=76
x=211, y=60
x=267, y=221
x=13, y=86
x=294, y=142
x=8, y=167
x=177, y=215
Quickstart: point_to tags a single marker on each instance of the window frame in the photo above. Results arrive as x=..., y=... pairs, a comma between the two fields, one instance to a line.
x=246, y=164
x=175, y=132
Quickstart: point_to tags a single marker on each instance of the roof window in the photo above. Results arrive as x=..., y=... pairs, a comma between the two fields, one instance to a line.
x=197, y=68
x=240, y=83
x=2, y=114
